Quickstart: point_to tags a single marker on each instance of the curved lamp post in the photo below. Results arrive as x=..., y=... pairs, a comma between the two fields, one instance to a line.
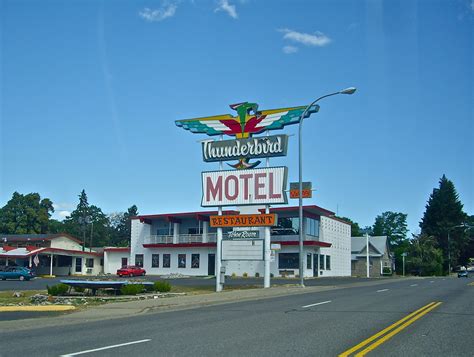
x=449, y=229
x=310, y=109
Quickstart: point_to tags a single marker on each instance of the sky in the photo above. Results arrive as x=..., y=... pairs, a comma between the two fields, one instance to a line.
x=90, y=91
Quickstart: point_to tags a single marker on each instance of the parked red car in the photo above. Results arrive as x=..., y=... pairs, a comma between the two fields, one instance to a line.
x=131, y=270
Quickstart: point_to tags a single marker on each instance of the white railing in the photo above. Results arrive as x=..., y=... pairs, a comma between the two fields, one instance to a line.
x=158, y=239
x=212, y=238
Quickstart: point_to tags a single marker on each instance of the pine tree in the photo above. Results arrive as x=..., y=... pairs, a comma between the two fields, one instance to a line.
x=444, y=212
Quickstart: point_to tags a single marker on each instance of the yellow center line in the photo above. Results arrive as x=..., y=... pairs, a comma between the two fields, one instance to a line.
x=394, y=332
x=385, y=330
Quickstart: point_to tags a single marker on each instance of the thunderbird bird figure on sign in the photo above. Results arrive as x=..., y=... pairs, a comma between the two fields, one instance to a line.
x=249, y=121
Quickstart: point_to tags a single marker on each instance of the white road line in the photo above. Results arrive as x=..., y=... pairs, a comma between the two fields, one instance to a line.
x=318, y=303
x=105, y=348
x=379, y=291
x=414, y=285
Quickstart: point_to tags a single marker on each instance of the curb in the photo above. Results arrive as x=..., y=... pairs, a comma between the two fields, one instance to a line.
x=39, y=308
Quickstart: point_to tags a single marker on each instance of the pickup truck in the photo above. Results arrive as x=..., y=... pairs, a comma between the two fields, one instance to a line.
x=15, y=272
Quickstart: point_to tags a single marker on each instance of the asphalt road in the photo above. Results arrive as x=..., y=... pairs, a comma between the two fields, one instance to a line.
x=312, y=324
x=40, y=283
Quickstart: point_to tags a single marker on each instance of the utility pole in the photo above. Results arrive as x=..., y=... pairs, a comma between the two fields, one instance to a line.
x=367, y=254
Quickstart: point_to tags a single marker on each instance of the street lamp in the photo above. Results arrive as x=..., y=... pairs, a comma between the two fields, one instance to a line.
x=310, y=109
x=465, y=226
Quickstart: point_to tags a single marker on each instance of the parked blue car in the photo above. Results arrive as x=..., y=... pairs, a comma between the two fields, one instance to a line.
x=15, y=272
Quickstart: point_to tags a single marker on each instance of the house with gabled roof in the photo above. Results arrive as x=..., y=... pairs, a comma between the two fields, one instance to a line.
x=50, y=254
x=380, y=257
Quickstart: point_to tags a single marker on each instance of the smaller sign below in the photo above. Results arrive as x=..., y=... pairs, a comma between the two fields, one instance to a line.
x=243, y=235
x=295, y=189
x=243, y=249
x=244, y=220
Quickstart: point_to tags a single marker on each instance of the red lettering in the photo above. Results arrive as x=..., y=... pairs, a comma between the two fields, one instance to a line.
x=259, y=185
x=213, y=190
x=246, y=178
x=235, y=188
x=273, y=194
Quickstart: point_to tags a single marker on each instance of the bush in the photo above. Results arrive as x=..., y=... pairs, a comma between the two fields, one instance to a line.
x=386, y=271
x=245, y=275
x=162, y=286
x=132, y=289
x=57, y=290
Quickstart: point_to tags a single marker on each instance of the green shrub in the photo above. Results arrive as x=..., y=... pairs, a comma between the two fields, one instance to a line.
x=132, y=289
x=57, y=290
x=386, y=271
x=162, y=286
x=79, y=289
x=245, y=275
x=149, y=287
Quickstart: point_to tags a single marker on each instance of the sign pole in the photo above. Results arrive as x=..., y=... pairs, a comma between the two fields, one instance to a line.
x=266, y=279
x=219, y=245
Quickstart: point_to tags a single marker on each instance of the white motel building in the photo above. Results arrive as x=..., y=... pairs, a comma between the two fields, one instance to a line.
x=184, y=243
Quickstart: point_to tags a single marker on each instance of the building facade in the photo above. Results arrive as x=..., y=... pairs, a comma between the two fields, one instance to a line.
x=50, y=254
x=380, y=258
x=184, y=243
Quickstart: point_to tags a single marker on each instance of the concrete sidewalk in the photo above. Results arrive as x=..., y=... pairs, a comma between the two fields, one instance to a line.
x=172, y=303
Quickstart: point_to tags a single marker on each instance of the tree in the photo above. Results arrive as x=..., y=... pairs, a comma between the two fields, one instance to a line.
x=393, y=225
x=424, y=257
x=88, y=222
x=121, y=225
x=26, y=214
x=444, y=211
x=355, y=229
x=468, y=251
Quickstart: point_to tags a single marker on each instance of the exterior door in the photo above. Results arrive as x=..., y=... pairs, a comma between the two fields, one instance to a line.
x=78, y=265
x=211, y=264
x=124, y=262
x=315, y=265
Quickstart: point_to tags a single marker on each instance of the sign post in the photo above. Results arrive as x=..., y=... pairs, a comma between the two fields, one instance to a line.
x=245, y=186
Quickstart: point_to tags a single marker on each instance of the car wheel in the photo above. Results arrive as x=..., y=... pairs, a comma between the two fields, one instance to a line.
x=131, y=275
x=143, y=274
x=22, y=277
x=120, y=275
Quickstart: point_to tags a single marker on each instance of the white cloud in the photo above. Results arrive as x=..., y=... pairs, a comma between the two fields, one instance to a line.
x=318, y=39
x=290, y=49
x=168, y=9
x=64, y=214
x=224, y=5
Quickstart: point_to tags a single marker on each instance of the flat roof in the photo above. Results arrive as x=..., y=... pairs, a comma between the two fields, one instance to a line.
x=203, y=215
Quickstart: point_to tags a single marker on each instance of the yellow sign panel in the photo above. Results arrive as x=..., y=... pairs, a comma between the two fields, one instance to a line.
x=244, y=220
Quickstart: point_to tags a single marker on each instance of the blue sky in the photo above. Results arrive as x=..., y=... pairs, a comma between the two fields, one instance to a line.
x=90, y=91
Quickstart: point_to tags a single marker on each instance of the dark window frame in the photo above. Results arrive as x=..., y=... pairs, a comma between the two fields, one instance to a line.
x=155, y=260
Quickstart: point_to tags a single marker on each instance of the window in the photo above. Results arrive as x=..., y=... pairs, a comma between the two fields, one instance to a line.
x=321, y=261
x=165, y=231
x=89, y=262
x=155, y=260
x=78, y=265
x=166, y=260
x=312, y=227
x=195, y=261
x=181, y=260
x=139, y=260
x=308, y=261
x=288, y=261
x=101, y=262
x=124, y=262
x=328, y=262
x=287, y=226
